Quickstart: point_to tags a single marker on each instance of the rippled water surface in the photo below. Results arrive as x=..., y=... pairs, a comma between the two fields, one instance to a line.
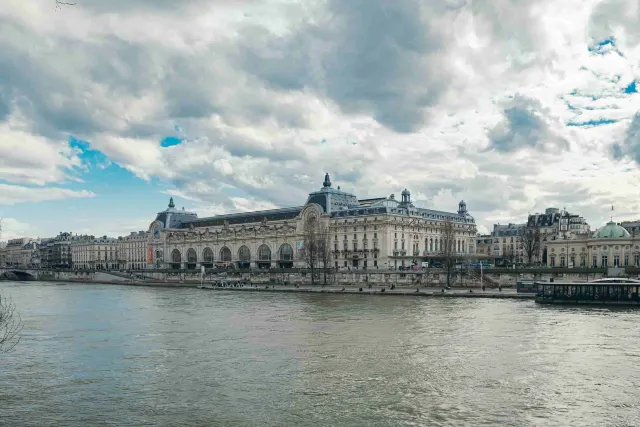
x=114, y=355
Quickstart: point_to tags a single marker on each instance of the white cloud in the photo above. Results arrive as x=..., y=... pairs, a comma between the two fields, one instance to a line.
x=14, y=229
x=101, y=226
x=454, y=100
x=32, y=159
x=245, y=205
x=13, y=194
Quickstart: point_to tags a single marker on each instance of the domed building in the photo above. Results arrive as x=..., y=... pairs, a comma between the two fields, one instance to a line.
x=611, y=231
x=609, y=246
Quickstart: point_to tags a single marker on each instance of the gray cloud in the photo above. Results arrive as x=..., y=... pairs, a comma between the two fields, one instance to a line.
x=5, y=103
x=129, y=6
x=387, y=59
x=250, y=88
x=630, y=146
x=610, y=14
x=525, y=124
x=52, y=91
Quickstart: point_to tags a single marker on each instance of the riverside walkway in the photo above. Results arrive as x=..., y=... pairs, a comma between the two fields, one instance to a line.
x=378, y=290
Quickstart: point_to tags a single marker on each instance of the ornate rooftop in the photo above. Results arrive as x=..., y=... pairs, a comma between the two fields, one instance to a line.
x=333, y=201
x=611, y=231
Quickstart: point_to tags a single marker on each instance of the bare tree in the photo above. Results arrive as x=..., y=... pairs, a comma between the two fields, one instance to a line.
x=10, y=325
x=310, y=252
x=448, y=247
x=531, y=243
x=324, y=251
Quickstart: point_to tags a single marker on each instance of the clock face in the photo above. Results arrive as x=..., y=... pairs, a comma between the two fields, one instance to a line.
x=156, y=232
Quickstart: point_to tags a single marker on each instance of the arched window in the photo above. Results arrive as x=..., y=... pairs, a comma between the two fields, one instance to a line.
x=431, y=245
x=426, y=244
x=192, y=257
x=244, y=254
x=158, y=256
x=286, y=252
x=264, y=253
x=207, y=255
x=225, y=254
x=463, y=246
x=175, y=256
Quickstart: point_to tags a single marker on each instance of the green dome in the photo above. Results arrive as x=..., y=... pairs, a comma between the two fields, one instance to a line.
x=611, y=231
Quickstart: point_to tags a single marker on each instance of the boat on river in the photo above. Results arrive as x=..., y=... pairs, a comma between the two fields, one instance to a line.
x=613, y=291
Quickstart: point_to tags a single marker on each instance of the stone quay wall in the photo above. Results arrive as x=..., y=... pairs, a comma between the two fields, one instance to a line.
x=424, y=278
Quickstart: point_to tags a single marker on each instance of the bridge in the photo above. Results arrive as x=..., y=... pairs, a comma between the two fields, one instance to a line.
x=17, y=274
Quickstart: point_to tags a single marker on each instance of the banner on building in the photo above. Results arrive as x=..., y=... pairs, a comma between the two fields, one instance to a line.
x=149, y=255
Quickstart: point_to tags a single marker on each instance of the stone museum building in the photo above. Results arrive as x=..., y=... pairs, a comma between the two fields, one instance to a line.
x=377, y=233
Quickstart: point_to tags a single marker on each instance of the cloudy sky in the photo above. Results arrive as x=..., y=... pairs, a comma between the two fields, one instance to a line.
x=110, y=106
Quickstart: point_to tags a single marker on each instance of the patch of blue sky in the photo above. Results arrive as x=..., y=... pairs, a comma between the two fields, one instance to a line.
x=632, y=88
x=593, y=123
x=571, y=107
x=170, y=141
x=89, y=157
x=604, y=46
x=115, y=186
x=584, y=95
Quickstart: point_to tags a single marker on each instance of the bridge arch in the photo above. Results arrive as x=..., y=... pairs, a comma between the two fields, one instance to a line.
x=17, y=275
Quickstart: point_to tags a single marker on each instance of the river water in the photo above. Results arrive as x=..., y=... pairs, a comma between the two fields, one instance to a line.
x=114, y=355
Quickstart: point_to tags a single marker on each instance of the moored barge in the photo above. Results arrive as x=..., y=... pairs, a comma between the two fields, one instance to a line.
x=612, y=291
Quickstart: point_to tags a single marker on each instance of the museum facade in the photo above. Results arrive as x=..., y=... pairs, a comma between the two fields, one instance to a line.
x=377, y=233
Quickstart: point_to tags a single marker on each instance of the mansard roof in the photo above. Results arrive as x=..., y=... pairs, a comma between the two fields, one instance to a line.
x=508, y=229
x=173, y=218
x=334, y=201
x=245, y=217
x=370, y=202
x=388, y=206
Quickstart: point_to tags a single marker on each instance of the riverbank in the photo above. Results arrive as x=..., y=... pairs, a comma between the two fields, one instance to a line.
x=423, y=292
x=107, y=282
x=350, y=290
